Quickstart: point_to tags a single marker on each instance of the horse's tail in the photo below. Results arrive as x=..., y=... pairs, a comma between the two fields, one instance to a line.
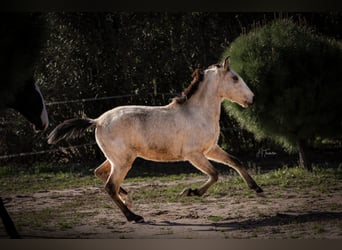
x=72, y=128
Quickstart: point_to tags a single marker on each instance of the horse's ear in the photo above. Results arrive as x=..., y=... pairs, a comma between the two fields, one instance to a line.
x=226, y=63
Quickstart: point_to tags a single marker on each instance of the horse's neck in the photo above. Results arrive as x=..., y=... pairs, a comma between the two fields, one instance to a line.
x=207, y=101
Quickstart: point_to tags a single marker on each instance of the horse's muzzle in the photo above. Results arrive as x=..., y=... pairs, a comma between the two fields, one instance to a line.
x=247, y=103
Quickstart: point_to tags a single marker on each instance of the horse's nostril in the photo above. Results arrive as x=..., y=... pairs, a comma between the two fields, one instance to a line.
x=248, y=102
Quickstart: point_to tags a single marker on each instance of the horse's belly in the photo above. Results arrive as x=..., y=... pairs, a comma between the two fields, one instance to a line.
x=161, y=152
x=159, y=158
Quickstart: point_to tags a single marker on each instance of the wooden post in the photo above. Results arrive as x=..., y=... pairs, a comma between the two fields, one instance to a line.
x=304, y=156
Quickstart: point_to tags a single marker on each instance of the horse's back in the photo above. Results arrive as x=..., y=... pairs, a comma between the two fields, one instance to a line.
x=135, y=115
x=134, y=119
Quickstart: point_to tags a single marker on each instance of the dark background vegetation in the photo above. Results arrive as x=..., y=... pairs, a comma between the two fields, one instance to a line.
x=135, y=58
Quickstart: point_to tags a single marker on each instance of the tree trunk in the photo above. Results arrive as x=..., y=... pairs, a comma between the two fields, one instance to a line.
x=304, y=155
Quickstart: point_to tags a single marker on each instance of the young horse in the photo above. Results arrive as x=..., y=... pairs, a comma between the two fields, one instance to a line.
x=186, y=129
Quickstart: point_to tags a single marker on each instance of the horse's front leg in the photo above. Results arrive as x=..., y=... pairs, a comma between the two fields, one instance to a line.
x=219, y=155
x=200, y=162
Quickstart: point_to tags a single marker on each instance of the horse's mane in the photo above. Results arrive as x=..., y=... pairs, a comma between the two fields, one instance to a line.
x=197, y=77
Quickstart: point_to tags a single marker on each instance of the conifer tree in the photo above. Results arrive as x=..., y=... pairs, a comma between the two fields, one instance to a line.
x=295, y=75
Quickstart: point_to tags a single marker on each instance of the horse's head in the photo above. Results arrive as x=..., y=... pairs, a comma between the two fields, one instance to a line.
x=30, y=103
x=232, y=86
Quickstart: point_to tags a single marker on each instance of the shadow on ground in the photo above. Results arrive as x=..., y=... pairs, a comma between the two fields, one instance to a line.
x=276, y=220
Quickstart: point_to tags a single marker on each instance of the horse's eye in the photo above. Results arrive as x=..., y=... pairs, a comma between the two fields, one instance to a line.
x=235, y=78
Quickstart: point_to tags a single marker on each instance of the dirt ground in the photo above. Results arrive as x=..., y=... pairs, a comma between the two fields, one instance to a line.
x=89, y=213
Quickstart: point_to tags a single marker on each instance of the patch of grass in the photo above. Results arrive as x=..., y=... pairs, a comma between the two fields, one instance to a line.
x=63, y=217
x=318, y=228
x=29, y=183
x=299, y=177
x=107, y=206
x=221, y=206
x=215, y=218
x=323, y=179
x=319, y=181
x=166, y=178
x=6, y=171
x=161, y=194
x=44, y=168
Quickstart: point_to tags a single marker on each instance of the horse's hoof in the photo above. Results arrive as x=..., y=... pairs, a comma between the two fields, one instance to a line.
x=259, y=190
x=135, y=218
x=189, y=192
x=185, y=192
x=261, y=194
x=139, y=219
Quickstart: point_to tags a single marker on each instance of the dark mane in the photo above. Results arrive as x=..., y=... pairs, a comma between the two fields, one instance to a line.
x=197, y=77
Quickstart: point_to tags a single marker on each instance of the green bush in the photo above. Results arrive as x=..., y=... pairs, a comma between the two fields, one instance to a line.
x=295, y=75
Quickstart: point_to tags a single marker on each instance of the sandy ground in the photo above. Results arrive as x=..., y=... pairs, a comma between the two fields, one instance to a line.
x=89, y=213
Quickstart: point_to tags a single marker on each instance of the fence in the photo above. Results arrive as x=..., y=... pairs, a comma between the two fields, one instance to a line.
x=240, y=140
x=88, y=147
x=165, y=97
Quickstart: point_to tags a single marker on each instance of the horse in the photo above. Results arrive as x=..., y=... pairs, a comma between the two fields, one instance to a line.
x=186, y=129
x=20, y=46
x=30, y=103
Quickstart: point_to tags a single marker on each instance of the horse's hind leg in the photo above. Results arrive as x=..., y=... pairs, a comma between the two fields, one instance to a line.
x=200, y=162
x=112, y=186
x=103, y=172
x=219, y=155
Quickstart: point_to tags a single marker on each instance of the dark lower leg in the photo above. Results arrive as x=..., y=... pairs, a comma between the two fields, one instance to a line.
x=110, y=188
x=201, y=190
x=103, y=172
x=201, y=163
x=250, y=181
x=219, y=155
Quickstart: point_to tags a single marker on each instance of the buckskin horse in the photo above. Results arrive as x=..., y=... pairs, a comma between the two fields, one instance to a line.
x=187, y=129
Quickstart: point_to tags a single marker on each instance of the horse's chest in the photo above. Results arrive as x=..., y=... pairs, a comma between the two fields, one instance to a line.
x=206, y=133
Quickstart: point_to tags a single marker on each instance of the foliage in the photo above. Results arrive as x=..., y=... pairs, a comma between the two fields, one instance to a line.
x=294, y=74
x=144, y=58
